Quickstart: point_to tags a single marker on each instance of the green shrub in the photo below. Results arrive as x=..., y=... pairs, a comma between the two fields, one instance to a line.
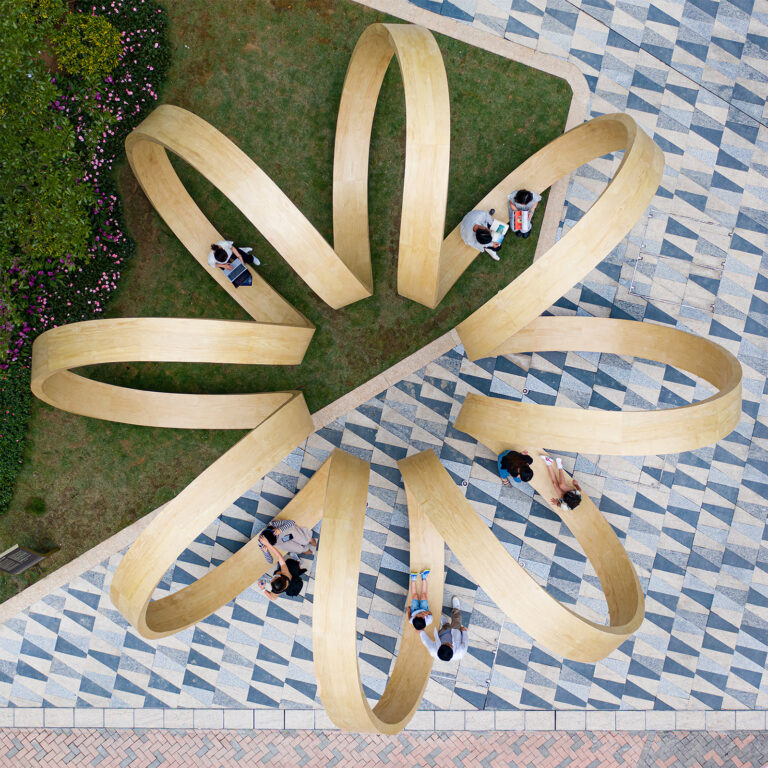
x=87, y=46
x=53, y=133
x=35, y=506
x=14, y=414
x=44, y=205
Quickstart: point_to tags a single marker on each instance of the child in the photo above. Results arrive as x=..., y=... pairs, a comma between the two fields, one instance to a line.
x=570, y=495
x=418, y=611
x=522, y=202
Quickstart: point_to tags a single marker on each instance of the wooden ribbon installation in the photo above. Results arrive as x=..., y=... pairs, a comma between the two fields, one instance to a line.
x=427, y=268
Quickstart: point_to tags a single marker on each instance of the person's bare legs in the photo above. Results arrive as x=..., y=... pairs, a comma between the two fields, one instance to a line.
x=423, y=575
x=552, y=475
x=561, y=484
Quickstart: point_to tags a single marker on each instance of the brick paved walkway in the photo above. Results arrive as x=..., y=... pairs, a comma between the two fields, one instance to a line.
x=106, y=748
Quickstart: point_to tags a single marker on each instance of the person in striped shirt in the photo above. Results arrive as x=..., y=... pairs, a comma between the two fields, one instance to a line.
x=286, y=536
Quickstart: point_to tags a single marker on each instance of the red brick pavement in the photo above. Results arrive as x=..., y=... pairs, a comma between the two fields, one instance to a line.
x=110, y=748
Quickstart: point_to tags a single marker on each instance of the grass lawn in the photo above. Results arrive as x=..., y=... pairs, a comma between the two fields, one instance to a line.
x=269, y=75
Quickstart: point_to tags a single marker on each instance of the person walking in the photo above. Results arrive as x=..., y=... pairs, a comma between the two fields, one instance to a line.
x=452, y=638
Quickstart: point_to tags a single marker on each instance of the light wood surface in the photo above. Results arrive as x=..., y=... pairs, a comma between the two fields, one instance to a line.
x=502, y=424
x=191, y=512
x=334, y=613
x=61, y=349
x=494, y=421
x=572, y=257
x=428, y=267
x=427, y=155
x=432, y=490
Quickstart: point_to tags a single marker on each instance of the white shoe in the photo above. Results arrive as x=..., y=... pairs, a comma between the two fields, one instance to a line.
x=493, y=255
x=546, y=459
x=456, y=603
x=559, y=462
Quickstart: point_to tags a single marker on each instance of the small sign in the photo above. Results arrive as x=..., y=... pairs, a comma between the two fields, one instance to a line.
x=17, y=559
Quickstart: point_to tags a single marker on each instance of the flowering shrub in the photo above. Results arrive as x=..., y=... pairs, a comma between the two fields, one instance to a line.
x=60, y=282
x=43, y=203
x=87, y=46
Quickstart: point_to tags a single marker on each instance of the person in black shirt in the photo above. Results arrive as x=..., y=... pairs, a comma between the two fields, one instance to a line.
x=515, y=465
x=286, y=579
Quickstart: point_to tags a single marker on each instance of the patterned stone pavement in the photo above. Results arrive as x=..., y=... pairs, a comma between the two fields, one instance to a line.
x=217, y=749
x=694, y=75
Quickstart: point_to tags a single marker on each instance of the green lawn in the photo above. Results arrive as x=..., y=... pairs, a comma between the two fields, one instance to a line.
x=270, y=78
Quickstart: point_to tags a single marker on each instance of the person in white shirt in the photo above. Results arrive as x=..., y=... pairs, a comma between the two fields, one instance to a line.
x=475, y=231
x=452, y=638
x=225, y=254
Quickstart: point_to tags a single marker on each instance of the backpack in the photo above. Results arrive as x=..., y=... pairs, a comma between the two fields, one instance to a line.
x=521, y=221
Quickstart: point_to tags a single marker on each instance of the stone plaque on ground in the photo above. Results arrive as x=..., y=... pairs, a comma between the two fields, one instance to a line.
x=17, y=559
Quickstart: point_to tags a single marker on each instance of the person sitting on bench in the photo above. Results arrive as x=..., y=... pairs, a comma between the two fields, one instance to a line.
x=225, y=255
x=476, y=232
x=522, y=204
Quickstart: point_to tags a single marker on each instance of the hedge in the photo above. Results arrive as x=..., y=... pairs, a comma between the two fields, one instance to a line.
x=72, y=277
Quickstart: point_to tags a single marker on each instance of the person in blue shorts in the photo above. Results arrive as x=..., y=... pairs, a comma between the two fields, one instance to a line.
x=418, y=611
x=515, y=466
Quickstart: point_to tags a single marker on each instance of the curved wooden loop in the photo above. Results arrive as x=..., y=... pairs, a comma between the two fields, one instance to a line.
x=167, y=339
x=189, y=513
x=432, y=491
x=427, y=155
x=334, y=613
x=427, y=269
x=605, y=224
x=494, y=421
x=503, y=424
x=262, y=202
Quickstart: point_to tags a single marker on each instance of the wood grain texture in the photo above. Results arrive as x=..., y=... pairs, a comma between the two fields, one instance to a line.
x=427, y=155
x=428, y=266
x=432, y=490
x=334, y=613
x=572, y=257
x=494, y=421
x=191, y=512
x=506, y=424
